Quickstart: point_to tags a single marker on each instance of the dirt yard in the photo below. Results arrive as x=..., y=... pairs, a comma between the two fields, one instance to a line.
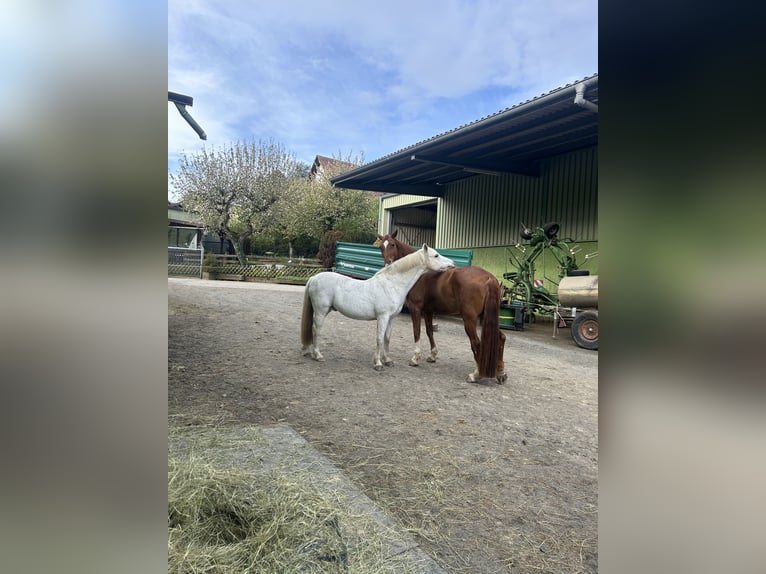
x=489, y=479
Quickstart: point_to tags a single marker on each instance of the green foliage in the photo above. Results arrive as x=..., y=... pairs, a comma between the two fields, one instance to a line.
x=234, y=189
x=259, y=197
x=210, y=262
x=303, y=246
x=311, y=207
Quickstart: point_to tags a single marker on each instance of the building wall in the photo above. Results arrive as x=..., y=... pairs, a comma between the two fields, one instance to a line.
x=496, y=260
x=416, y=223
x=404, y=200
x=485, y=213
x=488, y=211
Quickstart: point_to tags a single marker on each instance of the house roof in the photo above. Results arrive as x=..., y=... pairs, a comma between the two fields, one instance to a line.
x=177, y=216
x=328, y=165
x=514, y=140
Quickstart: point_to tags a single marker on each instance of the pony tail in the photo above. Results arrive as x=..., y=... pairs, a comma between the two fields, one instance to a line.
x=307, y=318
x=490, y=337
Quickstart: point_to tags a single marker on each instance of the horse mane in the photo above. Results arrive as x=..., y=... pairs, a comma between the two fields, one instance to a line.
x=402, y=264
x=403, y=248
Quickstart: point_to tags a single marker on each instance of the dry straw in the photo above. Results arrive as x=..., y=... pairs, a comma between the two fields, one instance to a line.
x=220, y=520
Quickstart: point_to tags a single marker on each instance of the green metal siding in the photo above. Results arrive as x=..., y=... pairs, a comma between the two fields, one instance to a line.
x=488, y=211
x=363, y=261
x=357, y=259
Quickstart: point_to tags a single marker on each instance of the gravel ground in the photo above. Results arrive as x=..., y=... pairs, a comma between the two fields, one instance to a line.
x=488, y=479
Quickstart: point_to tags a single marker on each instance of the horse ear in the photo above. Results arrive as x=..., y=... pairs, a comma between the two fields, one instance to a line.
x=394, y=233
x=425, y=248
x=380, y=236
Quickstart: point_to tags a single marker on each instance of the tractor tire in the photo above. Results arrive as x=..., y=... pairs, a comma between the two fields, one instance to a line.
x=585, y=330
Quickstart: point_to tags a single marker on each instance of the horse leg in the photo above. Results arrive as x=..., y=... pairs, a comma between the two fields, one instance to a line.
x=380, y=343
x=469, y=323
x=430, y=332
x=386, y=341
x=319, y=317
x=415, y=315
x=502, y=376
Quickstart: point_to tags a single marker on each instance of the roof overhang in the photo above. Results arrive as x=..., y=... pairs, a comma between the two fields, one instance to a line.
x=178, y=217
x=515, y=140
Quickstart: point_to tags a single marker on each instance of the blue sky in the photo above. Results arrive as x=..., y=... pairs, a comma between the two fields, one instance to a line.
x=372, y=77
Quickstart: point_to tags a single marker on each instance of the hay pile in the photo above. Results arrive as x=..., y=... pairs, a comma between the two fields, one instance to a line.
x=223, y=520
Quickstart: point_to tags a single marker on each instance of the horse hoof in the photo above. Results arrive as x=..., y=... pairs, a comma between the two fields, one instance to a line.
x=378, y=367
x=431, y=359
x=389, y=363
x=414, y=363
x=502, y=378
x=483, y=381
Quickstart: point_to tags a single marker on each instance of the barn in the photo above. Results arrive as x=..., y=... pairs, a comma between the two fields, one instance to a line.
x=476, y=186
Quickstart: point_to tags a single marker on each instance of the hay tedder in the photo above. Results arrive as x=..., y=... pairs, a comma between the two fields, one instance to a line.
x=571, y=298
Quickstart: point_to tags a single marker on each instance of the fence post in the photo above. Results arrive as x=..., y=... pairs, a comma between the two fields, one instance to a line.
x=201, y=258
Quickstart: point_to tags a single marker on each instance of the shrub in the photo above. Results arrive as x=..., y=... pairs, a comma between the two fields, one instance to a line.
x=326, y=254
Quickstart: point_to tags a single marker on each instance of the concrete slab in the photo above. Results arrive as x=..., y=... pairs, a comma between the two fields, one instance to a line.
x=264, y=449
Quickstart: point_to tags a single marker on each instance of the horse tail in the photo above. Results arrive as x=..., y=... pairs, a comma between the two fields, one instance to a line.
x=307, y=318
x=490, y=335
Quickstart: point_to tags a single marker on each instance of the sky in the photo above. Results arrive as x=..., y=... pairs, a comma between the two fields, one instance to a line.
x=342, y=77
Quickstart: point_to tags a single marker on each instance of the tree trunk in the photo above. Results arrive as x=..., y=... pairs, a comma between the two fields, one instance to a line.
x=239, y=251
x=290, y=250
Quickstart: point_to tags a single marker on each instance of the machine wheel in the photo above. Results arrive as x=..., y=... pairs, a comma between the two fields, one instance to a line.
x=551, y=229
x=526, y=233
x=585, y=330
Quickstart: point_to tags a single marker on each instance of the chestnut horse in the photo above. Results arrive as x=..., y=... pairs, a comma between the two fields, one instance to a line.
x=471, y=292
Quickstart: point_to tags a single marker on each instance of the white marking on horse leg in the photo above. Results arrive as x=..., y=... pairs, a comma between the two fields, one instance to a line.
x=432, y=357
x=415, y=360
x=379, y=344
x=318, y=321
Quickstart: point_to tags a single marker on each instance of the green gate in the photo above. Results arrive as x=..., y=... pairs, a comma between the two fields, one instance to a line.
x=363, y=261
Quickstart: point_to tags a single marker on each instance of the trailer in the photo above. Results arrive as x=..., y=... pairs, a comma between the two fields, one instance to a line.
x=578, y=309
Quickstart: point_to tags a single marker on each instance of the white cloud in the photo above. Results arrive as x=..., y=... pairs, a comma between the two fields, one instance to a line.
x=366, y=76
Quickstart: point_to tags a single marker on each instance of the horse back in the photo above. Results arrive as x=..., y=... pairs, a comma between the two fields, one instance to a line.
x=458, y=290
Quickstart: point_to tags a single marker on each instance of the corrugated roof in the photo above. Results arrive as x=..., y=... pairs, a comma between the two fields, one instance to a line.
x=514, y=140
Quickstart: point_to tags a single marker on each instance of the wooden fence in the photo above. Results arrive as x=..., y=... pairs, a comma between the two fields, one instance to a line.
x=258, y=268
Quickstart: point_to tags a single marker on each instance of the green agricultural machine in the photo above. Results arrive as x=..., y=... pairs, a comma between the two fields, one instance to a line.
x=571, y=299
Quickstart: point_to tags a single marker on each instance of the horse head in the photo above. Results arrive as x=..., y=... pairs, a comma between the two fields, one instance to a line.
x=435, y=261
x=391, y=248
